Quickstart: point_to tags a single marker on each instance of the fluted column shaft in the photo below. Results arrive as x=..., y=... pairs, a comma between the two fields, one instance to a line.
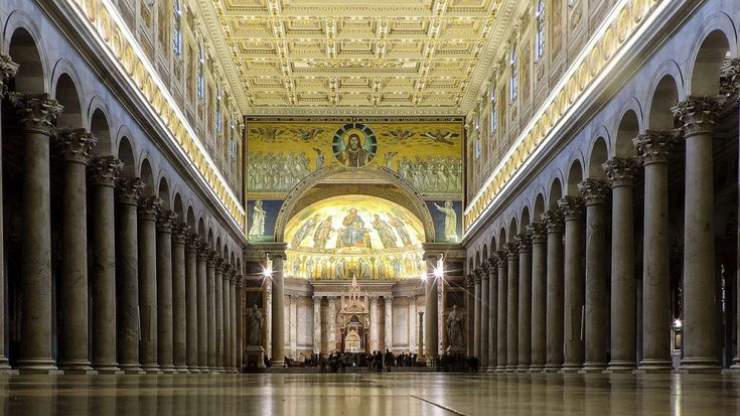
x=211, y=311
x=37, y=116
x=104, y=171
x=492, y=312
x=485, y=303
x=127, y=274
x=278, y=312
x=620, y=172
x=179, y=315
x=596, y=193
x=539, y=295
x=202, y=312
x=653, y=148
x=191, y=302
x=512, y=306
x=501, y=317
x=164, y=292
x=147, y=235
x=700, y=300
x=477, y=317
x=572, y=208
x=525, y=303
x=555, y=226
x=73, y=281
x=8, y=69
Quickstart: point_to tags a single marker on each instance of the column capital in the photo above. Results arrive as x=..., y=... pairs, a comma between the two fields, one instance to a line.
x=620, y=171
x=478, y=272
x=524, y=243
x=512, y=250
x=316, y=298
x=554, y=221
x=193, y=243
x=470, y=281
x=202, y=248
x=501, y=258
x=76, y=144
x=594, y=191
x=537, y=232
x=572, y=207
x=104, y=170
x=729, y=79
x=492, y=265
x=654, y=146
x=129, y=190
x=37, y=112
x=485, y=268
x=165, y=220
x=149, y=207
x=180, y=232
x=8, y=69
x=699, y=114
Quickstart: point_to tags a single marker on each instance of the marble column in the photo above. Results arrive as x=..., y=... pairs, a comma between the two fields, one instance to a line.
x=431, y=334
x=211, y=309
x=596, y=195
x=202, y=296
x=37, y=114
x=477, y=317
x=469, y=316
x=104, y=171
x=700, y=300
x=267, y=310
x=554, y=309
x=388, y=308
x=621, y=172
x=317, y=324
x=191, y=302
x=179, y=316
x=501, y=317
x=293, y=326
x=538, y=231
x=236, y=319
x=147, y=235
x=492, y=312
x=332, y=325
x=374, y=324
x=512, y=307
x=73, y=281
x=653, y=148
x=573, y=279
x=127, y=274
x=483, y=274
x=226, y=350
x=219, y=308
x=525, y=302
x=412, y=325
x=164, y=291
x=278, y=311
x=8, y=69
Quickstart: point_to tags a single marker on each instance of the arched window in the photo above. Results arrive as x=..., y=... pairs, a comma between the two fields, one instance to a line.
x=201, y=84
x=493, y=111
x=177, y=28
x=514, y=83
x=539, y=47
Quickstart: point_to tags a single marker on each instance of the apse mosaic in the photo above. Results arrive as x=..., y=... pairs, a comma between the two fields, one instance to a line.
x=354, y=236
x=426, y=155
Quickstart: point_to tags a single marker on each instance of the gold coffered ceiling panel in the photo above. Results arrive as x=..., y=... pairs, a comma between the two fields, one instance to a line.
x=367, y=55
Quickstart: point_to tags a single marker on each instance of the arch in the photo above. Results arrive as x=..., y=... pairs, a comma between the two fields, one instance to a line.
x=210, y=238
x=539, y=206
x=100, y=128
x=513, y=229
x=485, y=252
x=23, y=50
x=493, y=244
x=665, y=96
x=147, y=178
x=599, y=155
x=707, y=64
x=477, y=258
x=164, y=193
x=178, y=208
x=217, y=247
x=202, y=228
x=524, y=219
x=190, y=220
x=288, y=209
x=126, y=156
x=65, y=92
x=628, y=129
x=556, y=192
x=575, y=176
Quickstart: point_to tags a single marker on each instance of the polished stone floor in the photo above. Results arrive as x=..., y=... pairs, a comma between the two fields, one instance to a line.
x=370, y=394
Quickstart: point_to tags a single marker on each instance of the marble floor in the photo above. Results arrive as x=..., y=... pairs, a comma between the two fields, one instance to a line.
x=370, y=394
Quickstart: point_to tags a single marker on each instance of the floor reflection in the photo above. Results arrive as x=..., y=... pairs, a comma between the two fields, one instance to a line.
x=370, y=394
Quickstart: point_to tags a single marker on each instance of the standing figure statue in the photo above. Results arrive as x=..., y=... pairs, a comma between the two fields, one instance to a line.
x=258, y=221
x=254, y=327
x=450, y=220
x=455, y=325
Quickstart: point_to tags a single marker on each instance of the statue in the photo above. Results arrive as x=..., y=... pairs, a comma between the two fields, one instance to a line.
x=258, y=221
x=254, y=326
x=353, y=232
x=450, y=220
x=455, y=328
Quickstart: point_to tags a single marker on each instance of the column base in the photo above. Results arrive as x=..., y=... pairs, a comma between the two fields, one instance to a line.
x=169, y=369
x=108, y=369
x=551, y=368
x=536, y=369
x=194, y=370
x=42, y=366
x=182, y=370
x=591, y=368
x=77, y=367
x=499, y=369
x=133, y=370
x=522, y=368
x=654, y=366
x=699, y=365
x=277, y=363
x=151, y=369
x=570, y=369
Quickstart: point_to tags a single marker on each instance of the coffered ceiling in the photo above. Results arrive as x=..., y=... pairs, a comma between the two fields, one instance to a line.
x=411, y=57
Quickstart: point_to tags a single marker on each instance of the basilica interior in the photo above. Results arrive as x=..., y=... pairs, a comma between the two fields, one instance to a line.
x=323, y=207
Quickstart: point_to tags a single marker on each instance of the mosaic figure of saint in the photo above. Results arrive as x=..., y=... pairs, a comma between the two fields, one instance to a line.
x=323, y=233
x=304, y=231
x=258, y=221
x=354, y=154
x=385, y=232
x=353, y=232
x=450, y=220
x=400, y=228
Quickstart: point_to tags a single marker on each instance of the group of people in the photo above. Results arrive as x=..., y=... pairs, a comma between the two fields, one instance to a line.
x=338, y=361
